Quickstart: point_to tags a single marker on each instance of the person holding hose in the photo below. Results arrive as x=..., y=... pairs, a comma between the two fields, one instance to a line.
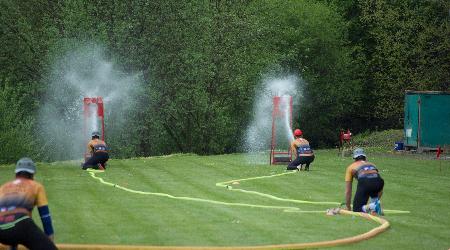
x=98, y=151
x=302, y=151
x=370, y=184
x=17, y=200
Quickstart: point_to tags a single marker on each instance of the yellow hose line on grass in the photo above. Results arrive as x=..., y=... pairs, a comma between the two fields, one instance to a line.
x=225, y=184
x=372, y=233
x=384, y=224
x=230, y=187
x=92, y=173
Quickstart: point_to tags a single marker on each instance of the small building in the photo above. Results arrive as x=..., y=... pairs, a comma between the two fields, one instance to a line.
x=427, y=119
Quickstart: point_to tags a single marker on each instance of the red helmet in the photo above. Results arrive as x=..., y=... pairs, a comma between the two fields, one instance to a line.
x=298, y=132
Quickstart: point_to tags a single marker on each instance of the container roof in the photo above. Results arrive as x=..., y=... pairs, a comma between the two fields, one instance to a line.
x=428, y=92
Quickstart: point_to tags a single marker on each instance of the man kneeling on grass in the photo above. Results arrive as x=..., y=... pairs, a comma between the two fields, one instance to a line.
x=98, y=152
x=370, y=184
x=303, y=153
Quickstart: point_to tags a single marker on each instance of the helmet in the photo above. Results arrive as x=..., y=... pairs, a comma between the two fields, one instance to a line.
x=95, y=133
x=358, y=152
x=298, y=132
x=25, y=164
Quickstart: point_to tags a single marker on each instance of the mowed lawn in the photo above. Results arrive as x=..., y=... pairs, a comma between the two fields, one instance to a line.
x=174, y=201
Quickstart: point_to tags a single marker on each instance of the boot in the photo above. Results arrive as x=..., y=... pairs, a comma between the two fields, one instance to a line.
x=100, y=167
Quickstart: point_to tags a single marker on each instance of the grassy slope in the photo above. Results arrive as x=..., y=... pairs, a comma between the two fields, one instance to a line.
x=86, y=211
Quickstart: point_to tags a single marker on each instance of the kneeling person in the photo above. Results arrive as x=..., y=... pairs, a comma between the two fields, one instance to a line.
x=303, y=152
x=98, y=151
x=370, y=184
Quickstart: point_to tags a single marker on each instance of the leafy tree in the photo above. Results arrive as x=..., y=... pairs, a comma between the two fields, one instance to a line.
x=398, y=46
x=199, y=65
x=202, y=75
x=16, y=125
x=310, y=40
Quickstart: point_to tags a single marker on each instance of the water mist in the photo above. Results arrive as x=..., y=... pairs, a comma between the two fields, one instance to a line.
x=83, y=72
x=259, y=133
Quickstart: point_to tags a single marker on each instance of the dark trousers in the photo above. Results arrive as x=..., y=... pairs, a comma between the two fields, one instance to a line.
x=300, y=160
x=367, y=187
x=26, y=233
x=98, y=157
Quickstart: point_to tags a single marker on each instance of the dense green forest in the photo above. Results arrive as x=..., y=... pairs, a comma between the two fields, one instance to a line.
x=189, y=70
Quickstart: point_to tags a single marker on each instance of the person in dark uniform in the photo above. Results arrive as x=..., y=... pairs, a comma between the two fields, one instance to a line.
x=302, y=151
x=98, y=153
x=17, y=200
x=370, y=184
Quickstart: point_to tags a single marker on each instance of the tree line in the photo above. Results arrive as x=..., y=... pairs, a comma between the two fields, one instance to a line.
x=202, y=61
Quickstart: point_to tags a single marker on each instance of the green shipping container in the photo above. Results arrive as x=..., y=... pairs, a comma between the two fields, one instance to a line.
x=427, y=119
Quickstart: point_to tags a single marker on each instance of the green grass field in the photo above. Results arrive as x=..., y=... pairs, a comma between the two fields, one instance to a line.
x=181, y=205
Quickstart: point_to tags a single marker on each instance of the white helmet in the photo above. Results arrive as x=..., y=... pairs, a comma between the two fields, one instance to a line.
x=358, y=152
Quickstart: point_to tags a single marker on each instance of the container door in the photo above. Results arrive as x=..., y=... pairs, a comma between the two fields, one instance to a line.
x=435, y=120
x=411, y=119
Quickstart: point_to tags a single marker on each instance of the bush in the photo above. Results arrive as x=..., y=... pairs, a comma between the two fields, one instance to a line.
x=384, y=140
x=16, y=138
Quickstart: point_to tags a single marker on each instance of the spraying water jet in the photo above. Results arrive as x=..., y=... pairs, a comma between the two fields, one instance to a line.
x=275, y=102
x=93, y=114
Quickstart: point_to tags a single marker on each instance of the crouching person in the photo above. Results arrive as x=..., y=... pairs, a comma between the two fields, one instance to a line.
x=17, y=200
x=302, y=151
x=98, y=153
x=370, y=184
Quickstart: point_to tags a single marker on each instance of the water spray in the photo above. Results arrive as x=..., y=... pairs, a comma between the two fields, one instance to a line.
x=66, y=117
x=93, y=114
x=258, y=137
